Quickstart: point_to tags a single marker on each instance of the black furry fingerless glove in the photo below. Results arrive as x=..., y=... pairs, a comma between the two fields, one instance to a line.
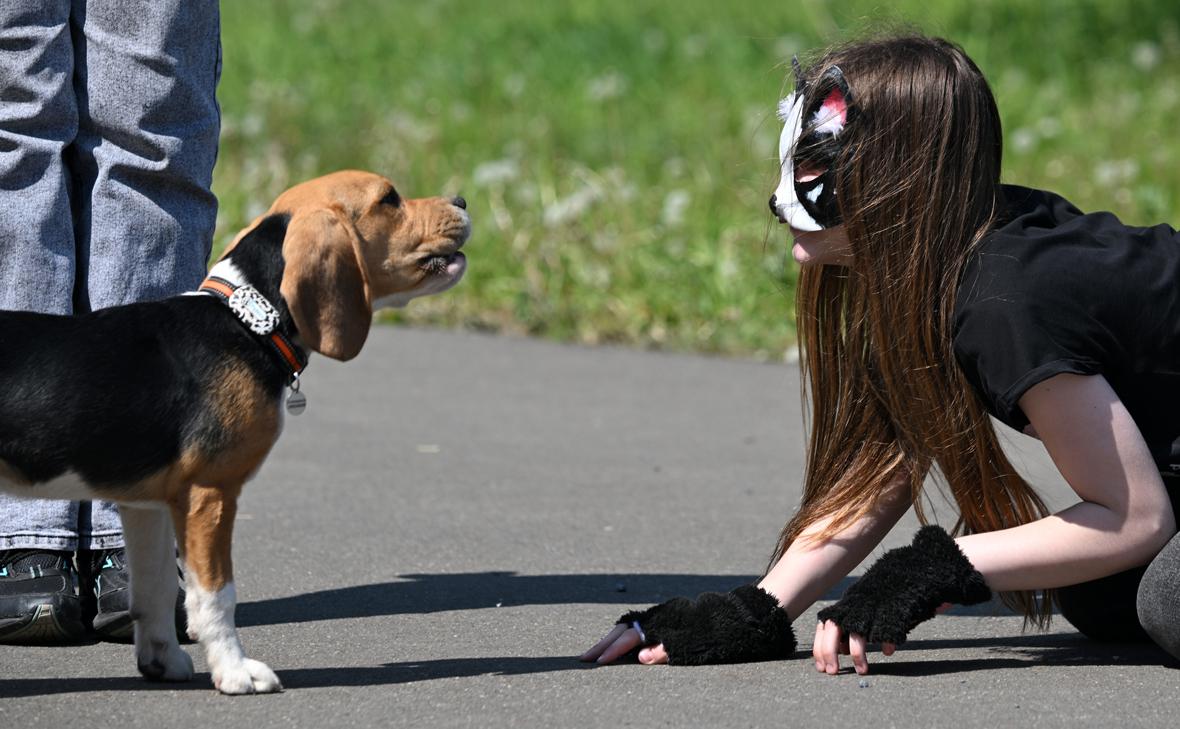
x=745, y=624
x=906, y=586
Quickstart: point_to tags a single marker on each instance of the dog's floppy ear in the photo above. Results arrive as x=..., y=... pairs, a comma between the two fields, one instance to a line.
x=324, y=285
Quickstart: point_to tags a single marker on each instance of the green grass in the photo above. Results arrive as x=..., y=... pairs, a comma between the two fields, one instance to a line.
x=617, y=154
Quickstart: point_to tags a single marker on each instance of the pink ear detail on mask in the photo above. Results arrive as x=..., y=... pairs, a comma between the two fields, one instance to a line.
x=832, y=114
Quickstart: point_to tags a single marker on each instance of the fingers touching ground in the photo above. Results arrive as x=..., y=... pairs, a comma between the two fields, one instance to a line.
x=826, y=648
x=856, y=648
x=830, y=643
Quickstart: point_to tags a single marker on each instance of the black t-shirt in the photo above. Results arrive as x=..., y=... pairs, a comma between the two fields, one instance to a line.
x=1053, y=290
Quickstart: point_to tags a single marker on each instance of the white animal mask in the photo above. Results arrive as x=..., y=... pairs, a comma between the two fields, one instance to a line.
x=806, y=195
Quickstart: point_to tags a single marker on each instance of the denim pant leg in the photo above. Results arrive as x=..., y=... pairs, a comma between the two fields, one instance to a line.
x=144, y=137
x=38, y=122
x=147, y=139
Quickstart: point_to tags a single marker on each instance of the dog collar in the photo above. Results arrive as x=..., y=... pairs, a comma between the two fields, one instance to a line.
x=261, y=317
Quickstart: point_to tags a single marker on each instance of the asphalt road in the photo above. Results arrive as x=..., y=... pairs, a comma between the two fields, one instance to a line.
x=457, y=516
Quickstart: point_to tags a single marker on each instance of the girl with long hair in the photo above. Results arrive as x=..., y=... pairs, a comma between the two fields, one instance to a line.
x=930, y=297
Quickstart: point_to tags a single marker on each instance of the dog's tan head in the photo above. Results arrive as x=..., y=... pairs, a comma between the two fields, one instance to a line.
x=352, y=245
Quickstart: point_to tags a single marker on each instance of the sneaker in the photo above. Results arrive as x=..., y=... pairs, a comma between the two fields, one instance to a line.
x=107, y=599
x=38, y=597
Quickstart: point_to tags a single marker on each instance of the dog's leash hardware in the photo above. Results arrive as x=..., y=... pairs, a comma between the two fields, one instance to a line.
x=296, y=401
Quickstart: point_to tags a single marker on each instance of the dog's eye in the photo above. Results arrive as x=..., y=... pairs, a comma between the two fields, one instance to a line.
x=391, y=198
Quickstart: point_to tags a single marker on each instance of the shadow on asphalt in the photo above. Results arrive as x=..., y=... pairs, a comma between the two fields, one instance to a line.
x=417, y=594
x=25, y=687
x=1021, y=651
x=414, y=594
x=307, y=678
x=415, y=671
x=1058, y=649
x=1012, y=652
x=421, y=593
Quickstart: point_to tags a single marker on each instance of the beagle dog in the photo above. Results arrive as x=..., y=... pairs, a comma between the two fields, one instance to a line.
x=169, y=407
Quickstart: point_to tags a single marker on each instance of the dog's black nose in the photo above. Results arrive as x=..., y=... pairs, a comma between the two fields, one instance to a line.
x=774, y=205
x=459, y=202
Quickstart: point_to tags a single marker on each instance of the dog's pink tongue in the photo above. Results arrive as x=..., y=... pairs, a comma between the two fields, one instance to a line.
x=457, y=264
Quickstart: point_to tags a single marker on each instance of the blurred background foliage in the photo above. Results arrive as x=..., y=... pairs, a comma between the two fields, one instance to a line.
x=617, y=155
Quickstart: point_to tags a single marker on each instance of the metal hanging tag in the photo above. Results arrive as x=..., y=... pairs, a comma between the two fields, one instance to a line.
x=296, y=401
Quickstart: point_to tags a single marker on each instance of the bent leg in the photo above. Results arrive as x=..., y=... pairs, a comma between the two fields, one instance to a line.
x=210, y=597
x=1158, y=600
x=1104, y=609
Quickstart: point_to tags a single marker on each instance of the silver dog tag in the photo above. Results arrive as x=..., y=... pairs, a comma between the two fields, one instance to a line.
x=296, y=401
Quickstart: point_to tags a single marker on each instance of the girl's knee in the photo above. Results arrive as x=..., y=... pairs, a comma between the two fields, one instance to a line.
x=1156, y=601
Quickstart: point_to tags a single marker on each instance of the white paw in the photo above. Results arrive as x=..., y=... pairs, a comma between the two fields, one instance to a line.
x=247, y=677
x=163, y=661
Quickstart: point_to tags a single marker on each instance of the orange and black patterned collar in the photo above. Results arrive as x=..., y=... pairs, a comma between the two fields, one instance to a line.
x=259, y=316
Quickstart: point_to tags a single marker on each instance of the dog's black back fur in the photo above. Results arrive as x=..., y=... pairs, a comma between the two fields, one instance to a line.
x=118, y=394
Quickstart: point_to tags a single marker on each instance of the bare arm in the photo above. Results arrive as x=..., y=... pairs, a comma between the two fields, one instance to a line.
x=1124, y=517
x=1123, y=520
x=810, y=568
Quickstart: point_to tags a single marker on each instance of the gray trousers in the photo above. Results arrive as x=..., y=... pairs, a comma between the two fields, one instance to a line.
x=108, y=135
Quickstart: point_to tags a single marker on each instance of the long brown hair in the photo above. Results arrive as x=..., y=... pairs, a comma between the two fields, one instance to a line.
x=918, y=187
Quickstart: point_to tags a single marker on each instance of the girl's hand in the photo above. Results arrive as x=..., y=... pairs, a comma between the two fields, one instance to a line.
x=831, y=643
x=744, y=624
x=621, y=641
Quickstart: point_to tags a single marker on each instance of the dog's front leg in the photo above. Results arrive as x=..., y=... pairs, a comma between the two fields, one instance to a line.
x=148, y=533
x=210, y=599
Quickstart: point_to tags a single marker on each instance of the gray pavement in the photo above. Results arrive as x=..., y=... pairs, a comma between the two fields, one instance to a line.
x=457, y=516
